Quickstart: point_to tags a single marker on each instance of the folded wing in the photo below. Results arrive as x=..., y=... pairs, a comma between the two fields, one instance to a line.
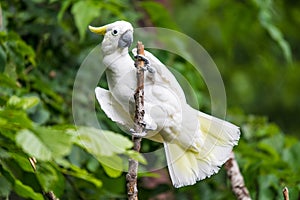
x=112, y=108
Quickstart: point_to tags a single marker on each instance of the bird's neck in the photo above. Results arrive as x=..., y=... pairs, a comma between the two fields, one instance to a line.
x=120, y=75
x=118, y=63
x=112, y=58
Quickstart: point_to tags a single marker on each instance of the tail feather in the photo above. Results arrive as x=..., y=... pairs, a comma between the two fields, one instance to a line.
x=219, y=138
x=181, y=165
x=220, y=129
x=186, y=166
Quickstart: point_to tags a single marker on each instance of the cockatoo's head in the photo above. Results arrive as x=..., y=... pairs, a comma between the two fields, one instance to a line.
x=117, y=36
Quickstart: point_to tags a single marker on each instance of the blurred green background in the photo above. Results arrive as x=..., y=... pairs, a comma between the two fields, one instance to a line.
x=255, y=44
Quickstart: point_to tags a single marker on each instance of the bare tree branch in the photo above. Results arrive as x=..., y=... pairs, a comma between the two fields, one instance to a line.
x=236, y=179
x=285, y=192
x=139, y=126
x=51, y=196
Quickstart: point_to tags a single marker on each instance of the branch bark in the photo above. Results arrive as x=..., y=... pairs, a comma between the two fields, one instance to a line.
x=285, y=192
x=139, y=126
x=236, y=179
x=51, y=196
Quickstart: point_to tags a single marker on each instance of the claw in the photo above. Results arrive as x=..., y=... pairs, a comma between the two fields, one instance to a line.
x=134, y=133
x=150, y=69
x=147, y=66
x=142, y=57
x=146, y=128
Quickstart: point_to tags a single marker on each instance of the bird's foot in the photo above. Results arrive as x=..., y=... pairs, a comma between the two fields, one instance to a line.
x=136, y=134
x=147, y=66
x=150, y=69
x=145, y=128
x=143, y=58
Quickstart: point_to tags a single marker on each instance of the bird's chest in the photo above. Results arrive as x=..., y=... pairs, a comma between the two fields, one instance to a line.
x=122, y=85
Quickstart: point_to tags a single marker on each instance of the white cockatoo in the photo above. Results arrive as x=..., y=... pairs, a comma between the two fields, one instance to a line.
x=196, y=144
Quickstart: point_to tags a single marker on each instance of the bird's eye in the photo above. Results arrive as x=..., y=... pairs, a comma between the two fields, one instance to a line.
x=114, y=32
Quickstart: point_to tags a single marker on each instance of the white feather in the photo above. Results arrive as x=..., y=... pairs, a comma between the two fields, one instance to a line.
x=112, y=108
x=163, y=75
x=196, y=144
x=186, y=166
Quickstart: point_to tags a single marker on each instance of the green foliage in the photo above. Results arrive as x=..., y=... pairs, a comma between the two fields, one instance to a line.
x=156, y=13
x=44, y=143
x=16, y=54
x=42, y=44
x=26, y=191
x=21, y=138
x=263, y=153
x=26, y=104
x=84, y=12
x=265, y=18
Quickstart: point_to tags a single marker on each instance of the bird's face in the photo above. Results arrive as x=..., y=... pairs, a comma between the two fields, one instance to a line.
x=117, y=36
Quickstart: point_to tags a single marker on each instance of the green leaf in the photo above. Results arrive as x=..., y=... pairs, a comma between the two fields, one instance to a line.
x=45, y=143
x=80, y=173
x=3, y=58
x=3, y=122
x=50, y=178
x=6, y=81
x=64, y=7
x=113, y=166
x=266, y=20
x=266, y=185
x=21, y=189
x=23, y=103
x=111, y=172
x=22, y=161
x=272, y=145
x=39, y=114
x=102, y=143
x=13, y=101
x=84, y=12
x=105, y=146
x=5, y=187
x=92, y=165
x=157, y=12
x=29, y=102
x=32, y=145
x=4, y=154
x=292, y=157
x=26, y=191
x=59, y=141
x=14, y=120
x=136, y=156
x=22, y=52
x=44, y=88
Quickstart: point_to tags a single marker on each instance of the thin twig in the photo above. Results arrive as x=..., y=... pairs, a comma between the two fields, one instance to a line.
x=50, y=195
x=33, y=162
x=236, y=179
x=285, y=192
x=139, y=126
